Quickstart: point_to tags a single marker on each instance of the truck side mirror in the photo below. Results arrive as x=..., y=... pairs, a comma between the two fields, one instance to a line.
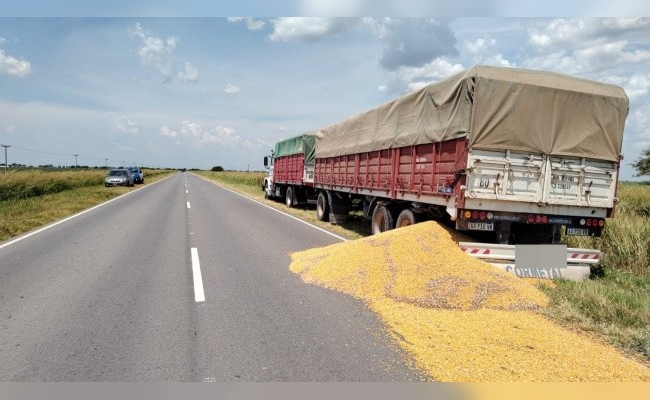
x=266, y=161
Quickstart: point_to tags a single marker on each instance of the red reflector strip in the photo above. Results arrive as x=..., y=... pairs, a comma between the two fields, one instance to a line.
x=585, y=256
x=475, y=250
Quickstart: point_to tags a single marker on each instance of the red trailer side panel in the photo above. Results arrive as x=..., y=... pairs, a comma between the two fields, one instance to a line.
x=289, y=169
x=422, y=171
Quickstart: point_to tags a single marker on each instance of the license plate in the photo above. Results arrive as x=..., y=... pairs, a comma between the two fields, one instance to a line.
x=481, y=226
x=561, y=186
x=577, y=231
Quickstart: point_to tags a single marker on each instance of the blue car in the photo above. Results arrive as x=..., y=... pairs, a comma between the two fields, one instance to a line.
x=138, y=175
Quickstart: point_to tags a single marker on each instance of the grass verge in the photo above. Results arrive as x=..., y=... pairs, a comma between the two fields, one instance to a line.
x=23, y=214
x=615, y=306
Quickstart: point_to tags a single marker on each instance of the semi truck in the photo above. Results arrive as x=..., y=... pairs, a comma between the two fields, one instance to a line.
x=519, y=156
x=291, y=170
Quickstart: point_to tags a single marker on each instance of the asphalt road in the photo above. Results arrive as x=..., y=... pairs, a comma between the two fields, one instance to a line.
x=115, y=294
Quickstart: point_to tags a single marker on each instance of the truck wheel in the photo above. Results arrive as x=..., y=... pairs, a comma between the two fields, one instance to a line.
x=382, y=220
x=289, y=197
x=406, y=218
x=322, y=207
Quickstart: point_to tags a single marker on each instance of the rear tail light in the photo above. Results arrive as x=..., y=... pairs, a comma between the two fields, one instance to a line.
x=595, y=222
x=482, y=215
x=537, y=219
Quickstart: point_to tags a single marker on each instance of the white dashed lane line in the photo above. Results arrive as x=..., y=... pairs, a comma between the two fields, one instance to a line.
x=199, y=295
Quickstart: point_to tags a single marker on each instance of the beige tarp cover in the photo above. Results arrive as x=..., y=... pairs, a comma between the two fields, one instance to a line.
x=496, y=109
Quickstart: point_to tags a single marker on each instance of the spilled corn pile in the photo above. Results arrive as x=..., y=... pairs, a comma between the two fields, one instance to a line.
x=462, y=320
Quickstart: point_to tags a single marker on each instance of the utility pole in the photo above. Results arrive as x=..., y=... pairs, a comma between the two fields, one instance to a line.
x=106, y=162
x=5, y=146
x=75, y=160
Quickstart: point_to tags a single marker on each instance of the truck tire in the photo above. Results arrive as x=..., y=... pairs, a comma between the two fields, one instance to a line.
x=322, y=207
x=289, y=197
x=406, y=218
x=382, y=219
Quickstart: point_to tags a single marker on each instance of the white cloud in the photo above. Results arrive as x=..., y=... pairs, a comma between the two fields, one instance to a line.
x=596, y=48
x=12, y=66
x=480, y=45
x=189, y=74
x=155, y=51
x=193, y=133
x=589, y=60
x=406, y=79
x=584, y=32
x=221, y=135
x=310, y=28
x=124, y=124
x=483, y=52
x=560, y=31
x=251, y=23
x=637, y=86
x=167, y=132
x=231, y=89
x=190, y=129
x=9, y=128
x=626, y=24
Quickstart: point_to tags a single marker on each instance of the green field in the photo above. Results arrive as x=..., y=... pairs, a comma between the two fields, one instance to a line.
x=32, y=198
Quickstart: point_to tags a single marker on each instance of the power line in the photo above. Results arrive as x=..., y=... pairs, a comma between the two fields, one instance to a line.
x=75, y=155
x=58, y=154
x=41, y=152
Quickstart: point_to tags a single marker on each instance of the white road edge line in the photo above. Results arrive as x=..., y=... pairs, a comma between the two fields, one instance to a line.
x=199, y=295
x=188, y=204
x=52, y=225
x=276, y=210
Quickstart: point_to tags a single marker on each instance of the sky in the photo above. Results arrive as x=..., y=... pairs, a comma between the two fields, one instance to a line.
x=198, y=92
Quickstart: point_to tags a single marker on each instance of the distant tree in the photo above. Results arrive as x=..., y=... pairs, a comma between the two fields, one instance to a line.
x=642, y=165
x=218, y=168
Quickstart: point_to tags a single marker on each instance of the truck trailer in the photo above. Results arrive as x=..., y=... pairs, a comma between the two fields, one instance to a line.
x=520, y=155
x=291, y=170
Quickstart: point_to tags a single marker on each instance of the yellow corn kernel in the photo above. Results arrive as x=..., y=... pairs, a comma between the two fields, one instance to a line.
x=461, y=319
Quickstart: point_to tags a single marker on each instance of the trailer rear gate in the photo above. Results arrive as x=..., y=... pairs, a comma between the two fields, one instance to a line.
x=289, y=169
